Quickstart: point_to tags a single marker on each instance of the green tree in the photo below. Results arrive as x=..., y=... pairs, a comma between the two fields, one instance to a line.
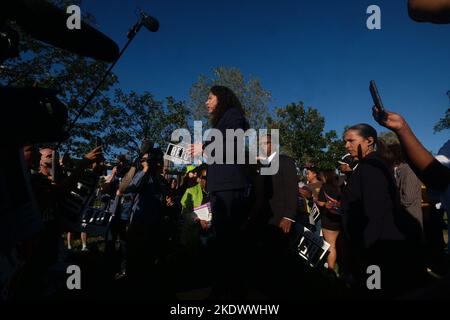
x=74, y=76
x=134, y=117
x=250, y=92
x=388, y=137
x=444, y=123
x=302, y=136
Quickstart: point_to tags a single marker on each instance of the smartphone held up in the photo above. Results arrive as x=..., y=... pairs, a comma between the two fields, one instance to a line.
x=381, y=112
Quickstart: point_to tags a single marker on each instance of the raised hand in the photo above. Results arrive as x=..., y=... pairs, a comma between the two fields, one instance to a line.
x=391, y=120
x=94, y=155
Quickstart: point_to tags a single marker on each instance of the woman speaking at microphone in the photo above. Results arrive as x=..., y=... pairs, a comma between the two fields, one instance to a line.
x=227, y=185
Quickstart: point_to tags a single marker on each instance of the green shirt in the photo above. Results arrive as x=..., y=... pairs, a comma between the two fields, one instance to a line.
x=192, y=198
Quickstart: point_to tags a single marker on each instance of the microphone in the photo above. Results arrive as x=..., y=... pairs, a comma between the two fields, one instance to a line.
x=46, y=22
x=149, y=22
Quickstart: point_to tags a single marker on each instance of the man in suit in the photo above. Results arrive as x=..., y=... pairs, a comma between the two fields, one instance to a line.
x=272, y=218
x=275, y=195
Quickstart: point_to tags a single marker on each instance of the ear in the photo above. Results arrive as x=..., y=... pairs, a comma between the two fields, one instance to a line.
x=371, y=141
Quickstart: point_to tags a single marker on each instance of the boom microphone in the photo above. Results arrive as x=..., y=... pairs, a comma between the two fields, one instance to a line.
x=149, y=22
x=46, y=22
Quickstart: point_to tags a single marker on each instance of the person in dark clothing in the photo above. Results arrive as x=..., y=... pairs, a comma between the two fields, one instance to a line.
x=379, y=232
x=276, y=195
x=227, y=185
x=34, y=280
x=272, y=220
x=329, y=202
x=434, y=174
x=145, y=243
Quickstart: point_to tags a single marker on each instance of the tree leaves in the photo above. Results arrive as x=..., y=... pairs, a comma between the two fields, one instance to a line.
x=444, y=123
x=134, y=117
x=253, y=96
x=302, y=136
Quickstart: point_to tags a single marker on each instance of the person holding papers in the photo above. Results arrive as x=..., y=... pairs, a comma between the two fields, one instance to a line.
x=191, y=224
x=227, y=186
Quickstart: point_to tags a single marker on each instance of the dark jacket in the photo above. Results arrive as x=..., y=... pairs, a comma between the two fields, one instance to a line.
x=149, y=192
x=371, y=206
x=223, y=177
x=436, y=176
x=276, y=195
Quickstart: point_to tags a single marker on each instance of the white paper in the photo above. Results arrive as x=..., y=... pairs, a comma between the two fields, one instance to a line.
x=203, y=212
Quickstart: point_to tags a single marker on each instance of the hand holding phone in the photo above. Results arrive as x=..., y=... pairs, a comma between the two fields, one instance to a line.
x=377, y=99
x=375, y=95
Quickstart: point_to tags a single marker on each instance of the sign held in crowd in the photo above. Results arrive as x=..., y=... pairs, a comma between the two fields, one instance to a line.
x=312, y=247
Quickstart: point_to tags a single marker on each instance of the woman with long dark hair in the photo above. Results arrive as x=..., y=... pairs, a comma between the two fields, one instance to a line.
x=227, y=185
x=226, y=112
x=379, y=232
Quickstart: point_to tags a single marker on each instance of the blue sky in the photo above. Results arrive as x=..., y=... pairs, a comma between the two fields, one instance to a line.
x=319, y=52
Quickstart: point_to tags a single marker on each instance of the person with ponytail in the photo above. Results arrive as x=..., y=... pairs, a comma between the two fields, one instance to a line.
x=378, y=231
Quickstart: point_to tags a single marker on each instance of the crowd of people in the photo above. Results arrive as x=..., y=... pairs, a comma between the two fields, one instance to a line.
x=381, y=205
x=372, y=208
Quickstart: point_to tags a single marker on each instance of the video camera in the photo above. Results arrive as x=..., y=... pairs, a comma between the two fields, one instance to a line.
x=41, y=115
x=35, y=115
